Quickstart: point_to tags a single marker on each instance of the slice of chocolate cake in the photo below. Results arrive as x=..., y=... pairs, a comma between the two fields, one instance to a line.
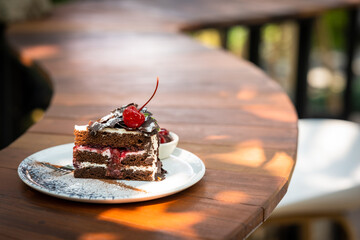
x=109, y=148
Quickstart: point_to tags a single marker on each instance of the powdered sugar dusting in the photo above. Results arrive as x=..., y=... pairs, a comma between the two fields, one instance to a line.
x=64, y=184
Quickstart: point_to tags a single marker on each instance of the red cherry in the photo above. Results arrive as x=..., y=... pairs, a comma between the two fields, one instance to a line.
x=162, y=139
x=164, y=131
x=132, y=117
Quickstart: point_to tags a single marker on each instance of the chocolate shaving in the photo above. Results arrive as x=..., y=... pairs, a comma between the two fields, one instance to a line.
x=115, y=120
x=106, y=118
x=95, y=127
x=149, y=126
x=112, y=122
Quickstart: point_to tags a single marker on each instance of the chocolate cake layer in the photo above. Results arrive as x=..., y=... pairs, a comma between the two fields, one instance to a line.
x=101, y=173
x=93, y=172
x=82, y=156
x=109, y=156
x=142, y=160
x=104, y=139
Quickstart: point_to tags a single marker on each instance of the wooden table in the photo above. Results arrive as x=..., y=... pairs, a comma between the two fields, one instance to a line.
x=103, y=54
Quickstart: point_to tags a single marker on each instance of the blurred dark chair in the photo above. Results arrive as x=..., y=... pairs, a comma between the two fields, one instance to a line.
x=22, y=88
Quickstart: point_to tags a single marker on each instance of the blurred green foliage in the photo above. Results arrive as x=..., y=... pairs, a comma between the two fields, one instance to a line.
x=209, y=37
x=279, y=39
x=271, y=33
x=59, y=1
x=237, y=39
x=335, y=23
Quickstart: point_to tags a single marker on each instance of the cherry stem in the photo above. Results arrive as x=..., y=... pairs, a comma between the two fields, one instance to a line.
x=157, y=84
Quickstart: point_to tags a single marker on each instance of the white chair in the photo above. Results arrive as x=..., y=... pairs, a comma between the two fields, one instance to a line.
x=326, y=179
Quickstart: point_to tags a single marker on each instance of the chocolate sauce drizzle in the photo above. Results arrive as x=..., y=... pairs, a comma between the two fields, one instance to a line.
x=115, y=120
x=122, y=185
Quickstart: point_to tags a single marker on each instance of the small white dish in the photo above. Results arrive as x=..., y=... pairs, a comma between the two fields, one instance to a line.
x=166, y=149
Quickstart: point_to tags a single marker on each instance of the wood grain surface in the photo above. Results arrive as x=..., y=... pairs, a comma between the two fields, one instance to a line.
x=102, y=54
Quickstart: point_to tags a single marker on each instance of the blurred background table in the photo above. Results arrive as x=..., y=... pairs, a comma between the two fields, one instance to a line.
x=97, y=56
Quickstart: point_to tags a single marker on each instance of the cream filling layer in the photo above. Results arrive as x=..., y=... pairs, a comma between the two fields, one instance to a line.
x=134, y=168
x=110, y=130
x=106, y=152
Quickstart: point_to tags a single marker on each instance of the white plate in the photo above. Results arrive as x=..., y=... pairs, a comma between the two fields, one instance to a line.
x=184, y=169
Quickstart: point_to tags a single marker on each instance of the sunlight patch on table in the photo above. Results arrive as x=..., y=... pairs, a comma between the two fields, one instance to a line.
x=217, y=137
x=276, y=114
x=246, y=94
x=154, y=217
x=99, y=236
x=249, y=153
x=37, y=52
x=231, y=197
x=280, y=164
